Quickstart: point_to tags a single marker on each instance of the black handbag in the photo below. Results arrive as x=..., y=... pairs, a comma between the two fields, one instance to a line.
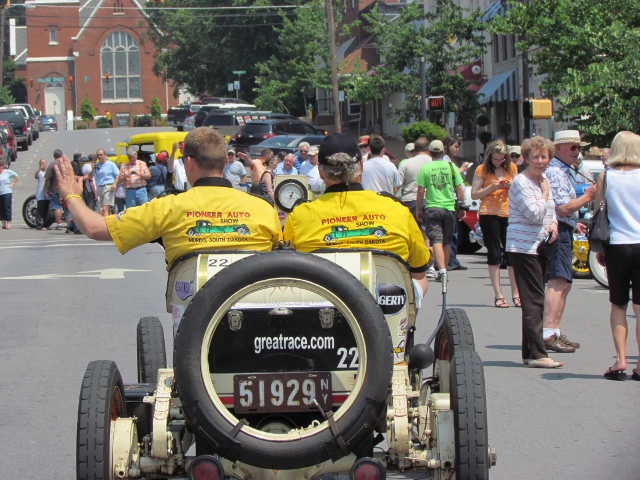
x=546, y=249
x=598, y=230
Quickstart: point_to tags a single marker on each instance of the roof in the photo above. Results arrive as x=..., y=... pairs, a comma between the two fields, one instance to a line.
x=353, y=57
x=21, y=45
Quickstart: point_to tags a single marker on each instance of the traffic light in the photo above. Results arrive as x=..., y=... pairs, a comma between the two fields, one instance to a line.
x=106, y=77
x=435, y=104
x=71, y=82
x=537, y=108
x=5, y=3
x=31, y=82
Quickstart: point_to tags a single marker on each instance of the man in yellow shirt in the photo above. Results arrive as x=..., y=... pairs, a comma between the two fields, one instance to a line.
x=347, y=216
x=211, y=215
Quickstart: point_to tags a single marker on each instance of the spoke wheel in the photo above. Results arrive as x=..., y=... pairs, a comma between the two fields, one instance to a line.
x=598, y=270
x=580, y=257
x=101, y=403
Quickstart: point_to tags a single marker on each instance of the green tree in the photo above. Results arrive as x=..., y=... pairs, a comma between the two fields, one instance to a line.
x=155, y=109
x=588, y=54
x=302, y=44
x=15, y=85
x=87, y=112
x=5, y=96
x=199, y=47
x=447, y=37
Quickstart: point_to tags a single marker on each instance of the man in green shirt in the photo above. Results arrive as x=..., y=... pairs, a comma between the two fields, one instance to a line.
x=438, y=179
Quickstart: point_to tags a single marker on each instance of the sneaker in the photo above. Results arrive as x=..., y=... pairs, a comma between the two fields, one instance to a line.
x=431, y=273
x=58, y=226
x=566, y=341
x=554, y=344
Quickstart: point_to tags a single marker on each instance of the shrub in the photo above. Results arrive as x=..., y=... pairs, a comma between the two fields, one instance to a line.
x=102, y=122
x=485, y=137
x=81, y=126
x=483, y=121
x=423, y=129
x=142, y=121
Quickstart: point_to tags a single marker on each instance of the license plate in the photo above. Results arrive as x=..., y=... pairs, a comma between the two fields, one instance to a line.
x=282, y=392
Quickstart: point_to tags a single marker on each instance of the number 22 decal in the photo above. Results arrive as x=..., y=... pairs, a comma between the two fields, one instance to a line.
x=353, y=353
x=218, y=262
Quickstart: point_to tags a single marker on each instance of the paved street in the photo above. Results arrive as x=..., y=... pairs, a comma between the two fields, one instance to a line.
x=66, y=300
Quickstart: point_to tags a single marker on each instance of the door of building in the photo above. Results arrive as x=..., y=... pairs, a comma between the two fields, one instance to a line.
x=54, y=99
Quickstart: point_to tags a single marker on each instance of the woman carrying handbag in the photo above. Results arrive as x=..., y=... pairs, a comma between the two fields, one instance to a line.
x=619, y=186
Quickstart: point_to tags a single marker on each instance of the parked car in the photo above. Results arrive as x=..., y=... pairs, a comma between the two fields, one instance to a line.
x=23, y=111
x=188, y=124
x=18, y=122
x=255, y=132
x=13, y=144
x=34, y=116
x=5, y=157
x=49, y=123
x=177, y=115
x=284, y=143
x=147, y=144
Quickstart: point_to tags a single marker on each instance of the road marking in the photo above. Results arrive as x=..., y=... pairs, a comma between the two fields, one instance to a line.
x=106, y=274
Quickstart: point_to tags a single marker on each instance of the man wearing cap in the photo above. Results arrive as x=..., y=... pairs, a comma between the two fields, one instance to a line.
x=104, y=175
x=234, y=171
x=379, y=175
x=363, y=145
x=515, y=155
x=158, y=171
x=436, y=182
x=345, y=205
x=211, y=200
x=310, y=170
x=559, y=272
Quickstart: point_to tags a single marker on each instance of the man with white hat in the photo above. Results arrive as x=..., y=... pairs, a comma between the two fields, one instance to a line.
x=559, y=273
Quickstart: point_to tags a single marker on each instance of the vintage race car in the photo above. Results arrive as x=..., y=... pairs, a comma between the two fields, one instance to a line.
x=341, y=231
x=206, y=227
x=290, y=366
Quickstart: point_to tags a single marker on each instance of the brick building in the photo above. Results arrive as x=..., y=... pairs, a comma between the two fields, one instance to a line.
x=90, y=47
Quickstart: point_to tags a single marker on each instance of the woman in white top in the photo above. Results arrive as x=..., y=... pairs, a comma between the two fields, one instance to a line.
x=532, y=218
x=622, y=256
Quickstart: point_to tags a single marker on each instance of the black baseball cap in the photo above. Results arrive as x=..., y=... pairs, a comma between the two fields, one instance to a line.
x=338, y=143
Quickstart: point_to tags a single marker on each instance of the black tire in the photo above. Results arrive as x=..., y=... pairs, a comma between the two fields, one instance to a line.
x=152, y=354
x=180, y=129
x=215, y=427
x=30, y=141
x=101, y=400
x=455, y=335
x=469, y=405
x=598, y=271
x=464, y=243
x=29, y=211
x=25, y=146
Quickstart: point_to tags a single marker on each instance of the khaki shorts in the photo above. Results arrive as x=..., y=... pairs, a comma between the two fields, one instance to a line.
x=106, y=196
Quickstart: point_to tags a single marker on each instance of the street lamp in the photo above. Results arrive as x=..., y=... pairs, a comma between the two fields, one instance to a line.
x=4, y=8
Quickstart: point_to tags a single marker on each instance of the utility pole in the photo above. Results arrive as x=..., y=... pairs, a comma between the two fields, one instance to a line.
x=423, y=90
x=334, y=66
x=2, y=47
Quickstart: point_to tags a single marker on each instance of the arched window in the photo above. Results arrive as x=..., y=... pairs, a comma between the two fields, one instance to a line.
x=120, y=58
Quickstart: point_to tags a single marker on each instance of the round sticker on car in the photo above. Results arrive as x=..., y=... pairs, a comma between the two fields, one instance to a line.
x=391, y=298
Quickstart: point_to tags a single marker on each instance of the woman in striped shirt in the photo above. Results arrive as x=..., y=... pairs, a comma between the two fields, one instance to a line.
x=532, y=219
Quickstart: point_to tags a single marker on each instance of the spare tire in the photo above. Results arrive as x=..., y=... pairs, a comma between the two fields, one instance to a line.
x=218, y=427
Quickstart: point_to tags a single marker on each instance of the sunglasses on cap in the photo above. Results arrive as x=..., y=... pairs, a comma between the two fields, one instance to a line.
x=515, y=155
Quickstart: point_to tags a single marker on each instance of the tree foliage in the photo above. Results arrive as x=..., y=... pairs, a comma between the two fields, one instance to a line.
x=588, y=54
x=450, y=38
x=200, y=49
x=87, y=112
x=300, y=60
x=5, y=96
x=428, y=130
x=155, y=109
x=16, y=86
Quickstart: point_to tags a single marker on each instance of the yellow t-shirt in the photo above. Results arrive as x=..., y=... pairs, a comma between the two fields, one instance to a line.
x=357, y=218
x=212, y=215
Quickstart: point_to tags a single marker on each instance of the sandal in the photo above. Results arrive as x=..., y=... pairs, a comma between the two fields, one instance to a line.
x=500, y=303
x=615, y=374
x=516, y=302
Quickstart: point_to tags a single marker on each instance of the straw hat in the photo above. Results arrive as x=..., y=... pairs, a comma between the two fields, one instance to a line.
x=569, y=136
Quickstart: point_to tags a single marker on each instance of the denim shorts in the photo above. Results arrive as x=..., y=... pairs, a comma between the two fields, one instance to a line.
x=54, y=203
x=560, y=263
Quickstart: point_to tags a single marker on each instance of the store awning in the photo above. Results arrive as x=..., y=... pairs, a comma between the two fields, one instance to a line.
x=502, y=87
x=494, y=8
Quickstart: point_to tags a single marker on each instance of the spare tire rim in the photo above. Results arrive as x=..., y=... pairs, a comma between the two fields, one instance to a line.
x=221, y=313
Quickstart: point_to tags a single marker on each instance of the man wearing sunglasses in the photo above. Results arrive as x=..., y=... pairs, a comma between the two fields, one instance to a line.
x=559, y=273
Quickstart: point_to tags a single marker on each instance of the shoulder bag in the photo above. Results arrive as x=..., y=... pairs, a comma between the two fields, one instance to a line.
x=459, y=205
x=598, y=230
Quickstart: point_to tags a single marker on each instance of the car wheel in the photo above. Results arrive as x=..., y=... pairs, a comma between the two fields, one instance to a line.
x=219, y=428
x=29, y=211
x=327, y=239
x=191, y=232
x=598, y=271
x=242, y=231
x=465, y=245
x=469, y=405
x=25, y=146
x=580, y=257
x=14, y=157
x=101, y=402
x=151, y=350
x=455, y=335
x=30, y=140
x=379, y=233
x=180, y=129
